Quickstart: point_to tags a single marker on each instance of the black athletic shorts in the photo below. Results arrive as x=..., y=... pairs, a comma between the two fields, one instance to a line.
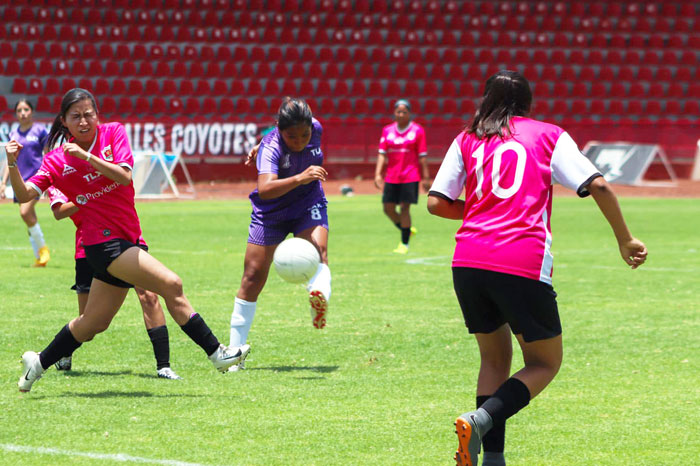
x=100, y=256
x=490, y=299
x=400, y=193
x=83, y=276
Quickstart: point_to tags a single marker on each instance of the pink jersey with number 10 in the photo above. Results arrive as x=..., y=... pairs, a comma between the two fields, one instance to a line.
x=508, y=199
x=108, y=207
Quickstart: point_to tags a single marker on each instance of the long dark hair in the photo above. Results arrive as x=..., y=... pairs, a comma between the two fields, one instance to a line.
x=506, y=94
x=293, y=112
x=26, y=101
x=58, y=130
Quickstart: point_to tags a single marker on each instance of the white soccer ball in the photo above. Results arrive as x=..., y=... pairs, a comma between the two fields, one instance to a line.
x=296, y=260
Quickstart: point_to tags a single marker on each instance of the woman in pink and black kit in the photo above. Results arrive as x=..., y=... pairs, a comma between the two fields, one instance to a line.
x=153, y=315
x=403, y=150
x=502, y=265
x=93, y=170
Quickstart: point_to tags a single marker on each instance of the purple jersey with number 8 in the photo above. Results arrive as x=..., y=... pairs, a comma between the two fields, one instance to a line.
x=275, y=157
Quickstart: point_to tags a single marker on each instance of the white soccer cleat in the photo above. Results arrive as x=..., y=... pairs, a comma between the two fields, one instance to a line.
x=225, y=357
x=237, y=367
x=32, y=371
x=319, y=308
x=64, y=364
x=168, y=373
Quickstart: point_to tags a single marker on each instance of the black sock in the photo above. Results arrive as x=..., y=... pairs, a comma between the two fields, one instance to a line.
x=510, y=398
x=405, y=235
x=200, y=333
x=398, y=225
x=495, y=438
x=161, y=345
x=63, y=344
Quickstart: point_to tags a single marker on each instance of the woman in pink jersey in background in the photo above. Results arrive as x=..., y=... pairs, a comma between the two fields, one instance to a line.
x=502, y=265
x=93, y=169
x=153, y=315
x=402, y=148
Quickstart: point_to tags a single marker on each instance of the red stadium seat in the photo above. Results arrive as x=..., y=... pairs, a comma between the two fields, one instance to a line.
x=158, y=105
x=186, y=88
x=135, y=87
x=168, y=87
x=124, y=106
x=691, y=108
x=192, y=106
x=175, y=105
x=118, y=86
x=107, y=106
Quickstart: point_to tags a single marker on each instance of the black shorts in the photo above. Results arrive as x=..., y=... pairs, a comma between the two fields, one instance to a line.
x=400, y=193
x=101, y=255
x=83, y=276
x=490, y=299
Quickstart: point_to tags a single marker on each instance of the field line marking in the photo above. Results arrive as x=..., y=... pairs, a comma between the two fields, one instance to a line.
x=121, y=457
x=433, y=260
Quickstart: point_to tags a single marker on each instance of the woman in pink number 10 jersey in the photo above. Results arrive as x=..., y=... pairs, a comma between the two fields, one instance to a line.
x=502, y=265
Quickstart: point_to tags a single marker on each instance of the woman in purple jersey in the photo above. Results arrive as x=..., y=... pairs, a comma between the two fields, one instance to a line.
x=506, y=164
x=32, y=136
x=288, y=199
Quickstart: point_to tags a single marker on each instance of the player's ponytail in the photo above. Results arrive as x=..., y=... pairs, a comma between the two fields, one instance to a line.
x=293, y=112
x=58, y=131
x=506, y=94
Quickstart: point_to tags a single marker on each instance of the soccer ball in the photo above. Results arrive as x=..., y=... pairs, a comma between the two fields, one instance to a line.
x=296, y=260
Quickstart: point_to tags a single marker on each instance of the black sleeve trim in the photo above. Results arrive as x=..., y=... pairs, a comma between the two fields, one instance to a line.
x=440, y=195
x=582, y=190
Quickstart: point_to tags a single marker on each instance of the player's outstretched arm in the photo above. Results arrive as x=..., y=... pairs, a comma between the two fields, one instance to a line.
x=23, y=193
x=633, y=251
x=445, y=208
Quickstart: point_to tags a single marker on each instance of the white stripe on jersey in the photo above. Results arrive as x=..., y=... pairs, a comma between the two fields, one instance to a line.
x=547, y=257
x=452, y=176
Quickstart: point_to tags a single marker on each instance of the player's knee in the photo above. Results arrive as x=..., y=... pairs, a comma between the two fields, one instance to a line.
x=173, y=285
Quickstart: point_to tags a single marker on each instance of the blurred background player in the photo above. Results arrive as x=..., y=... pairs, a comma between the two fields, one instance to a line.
x=402, y=149
x=502, y=265
x=288, y=199
x=93, y=169
x=32, y=136
x=153, y=315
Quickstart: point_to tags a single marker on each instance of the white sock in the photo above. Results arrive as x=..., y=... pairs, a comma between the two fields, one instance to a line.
x=321, y=281
x=37, y=235
x=35, y=248
x=241, y=321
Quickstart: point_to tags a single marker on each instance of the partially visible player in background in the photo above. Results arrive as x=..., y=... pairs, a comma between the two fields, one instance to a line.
x=32, y=136
x=288, y=199
x=403, y=150
x=153, y=315
x=94, y=170
x=502, y=265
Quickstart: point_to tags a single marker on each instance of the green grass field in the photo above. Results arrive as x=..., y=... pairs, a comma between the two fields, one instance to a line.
x=384, y=381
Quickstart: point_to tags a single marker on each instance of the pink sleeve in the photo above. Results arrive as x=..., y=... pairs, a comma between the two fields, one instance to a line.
x=121, y=149
x=56, y=196
x=422, y=145
x=382, y=142
x=42, y=180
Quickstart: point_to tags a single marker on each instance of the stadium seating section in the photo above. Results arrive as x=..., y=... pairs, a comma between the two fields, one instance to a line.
x=351, y=58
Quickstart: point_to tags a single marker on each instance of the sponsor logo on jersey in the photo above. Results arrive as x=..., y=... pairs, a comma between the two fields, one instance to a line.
x=285, y=161
x=80, y=199
x=316, y=152
x=67, y=169
x=107, y=153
